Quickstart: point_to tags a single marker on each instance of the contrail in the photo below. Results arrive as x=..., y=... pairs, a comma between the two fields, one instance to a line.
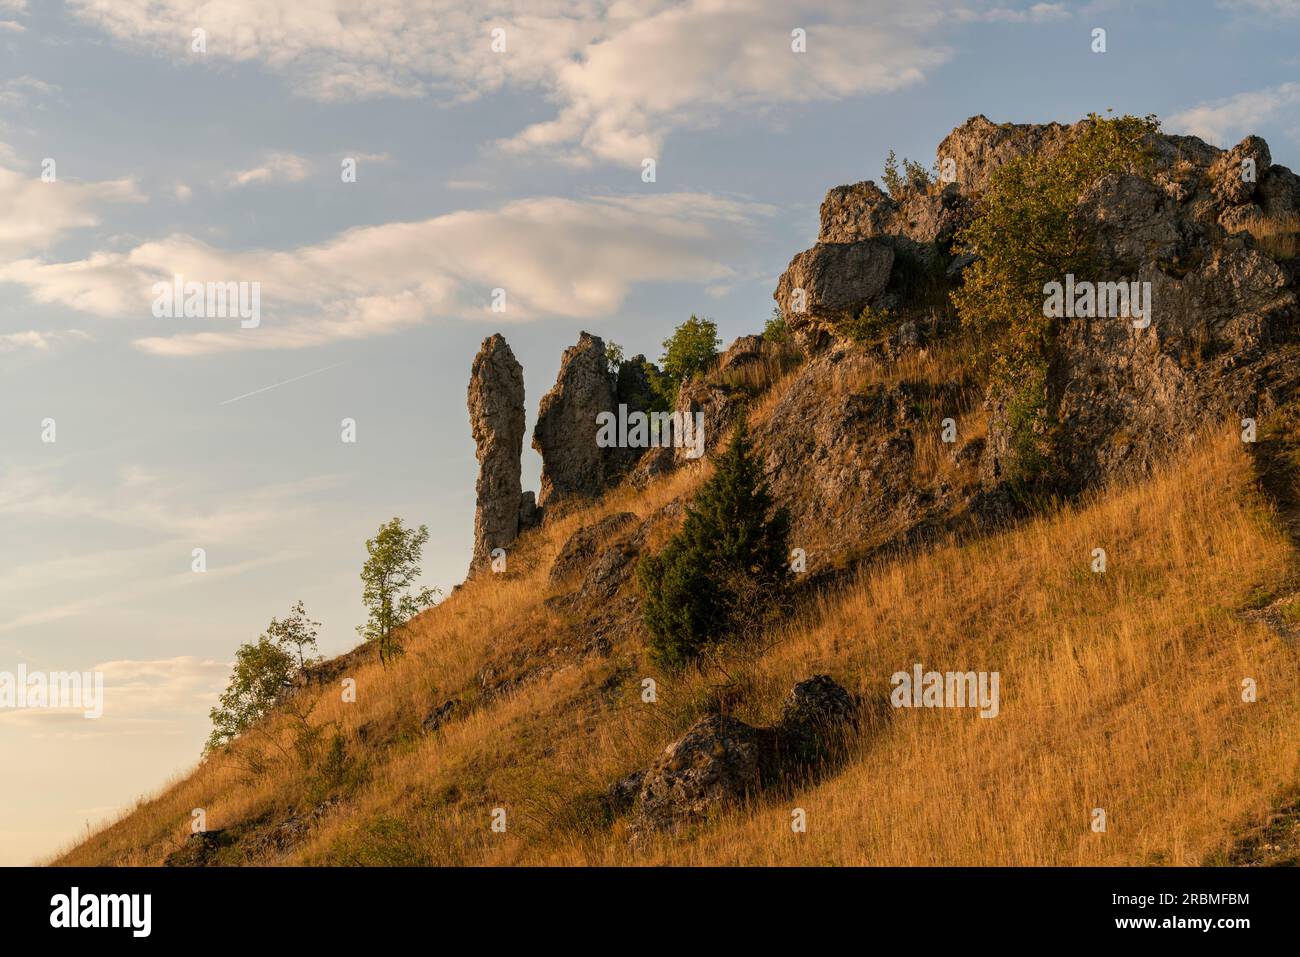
x=278, y=384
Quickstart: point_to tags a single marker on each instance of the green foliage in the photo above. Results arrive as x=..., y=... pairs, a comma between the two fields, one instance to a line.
x=914, y=176
x=613, y=356
x=263, y=670
x=296, y=633
x=776, y=331
x=1027, y=233
x=731, y=548
x=870, y=325
x=689, y=351
x=389, y=574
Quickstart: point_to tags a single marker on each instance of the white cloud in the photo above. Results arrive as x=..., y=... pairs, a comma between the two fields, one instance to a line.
x=18, y=92
x=35, y=214
x=622, y=73
x=553, y=256
x=284, y=167
x=38, y=341
x=1224, y=122
x=11, y=26
x=135, y=692
x=1273, y=8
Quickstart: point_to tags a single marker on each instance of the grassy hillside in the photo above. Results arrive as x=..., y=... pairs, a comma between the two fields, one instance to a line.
x=1120, y=690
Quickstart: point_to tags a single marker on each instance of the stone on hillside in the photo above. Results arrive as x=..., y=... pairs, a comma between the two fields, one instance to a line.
x=719, y=761
x=496, y=415
x=830, y=283
x=581, y=547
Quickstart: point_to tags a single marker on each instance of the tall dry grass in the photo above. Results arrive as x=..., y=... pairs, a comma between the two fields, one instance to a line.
x=1279, y=236
x=1120, y=690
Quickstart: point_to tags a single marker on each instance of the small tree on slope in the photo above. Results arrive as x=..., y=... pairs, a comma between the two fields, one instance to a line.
x=731, y=544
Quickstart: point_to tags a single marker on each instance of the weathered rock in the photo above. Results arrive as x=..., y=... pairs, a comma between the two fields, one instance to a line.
x=1236, y=173
x=581, y=547
x=719, y=761
x=565, y=434
x=842, y=459
x=743, y=351
x=201, y=850
x=1134, y=220
x=439, y=716
x=705, y=409
x=979, y=147
x=830, y=283
x=817, y=703
x=496, y=415
x=622, y=794
x=850, y=214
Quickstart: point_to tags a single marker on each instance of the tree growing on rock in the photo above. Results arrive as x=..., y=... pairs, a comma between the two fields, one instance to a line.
x=690, y=350
x=731, y=550
x=1027, y=232
x=389, y=574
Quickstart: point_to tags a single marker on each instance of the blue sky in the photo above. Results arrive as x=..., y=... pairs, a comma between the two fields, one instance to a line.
x=477, y=169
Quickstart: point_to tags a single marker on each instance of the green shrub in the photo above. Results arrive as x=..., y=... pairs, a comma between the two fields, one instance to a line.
x=1026, y=232
x=730, y=541
x=775, y=331
x=263, y=671
x=689, y=351
x=870, y=325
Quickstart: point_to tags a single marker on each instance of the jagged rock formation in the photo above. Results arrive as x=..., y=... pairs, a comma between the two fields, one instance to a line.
x=573, y=463
x=1222, y=337
x=496, y=415
x=831, y=282
x=565, y=433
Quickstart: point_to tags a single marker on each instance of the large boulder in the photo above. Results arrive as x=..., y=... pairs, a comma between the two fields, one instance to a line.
x=1236, y=174
x=830, y=283
x=718, y=762
x=838, y=451
x=721, y=761
x=496, y=415
x=582, y=546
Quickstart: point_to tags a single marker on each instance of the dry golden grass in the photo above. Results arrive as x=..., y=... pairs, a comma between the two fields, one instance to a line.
x=1279, y=236
x=1119, y=690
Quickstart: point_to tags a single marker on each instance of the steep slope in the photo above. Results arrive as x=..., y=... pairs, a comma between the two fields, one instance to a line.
x=1121, y=690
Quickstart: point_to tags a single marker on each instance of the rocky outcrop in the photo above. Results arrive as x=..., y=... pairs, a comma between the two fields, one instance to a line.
x=573, y=462
x=830, y=283
x=744, y=351
x=581, y=547
x=496, y=415
x=975, y=150
x=721, y=761
x=839, y=449
x=1219, y=344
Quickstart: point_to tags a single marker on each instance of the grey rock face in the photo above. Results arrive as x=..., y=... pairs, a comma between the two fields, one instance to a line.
x=565, y=434
x=829, y=283
x=496, y=415
x=719, y=761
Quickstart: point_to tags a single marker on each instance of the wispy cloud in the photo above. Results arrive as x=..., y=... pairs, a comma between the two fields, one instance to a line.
x=275, y=167
x=623, y=75
x=552, y=256
x=1225, y=121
